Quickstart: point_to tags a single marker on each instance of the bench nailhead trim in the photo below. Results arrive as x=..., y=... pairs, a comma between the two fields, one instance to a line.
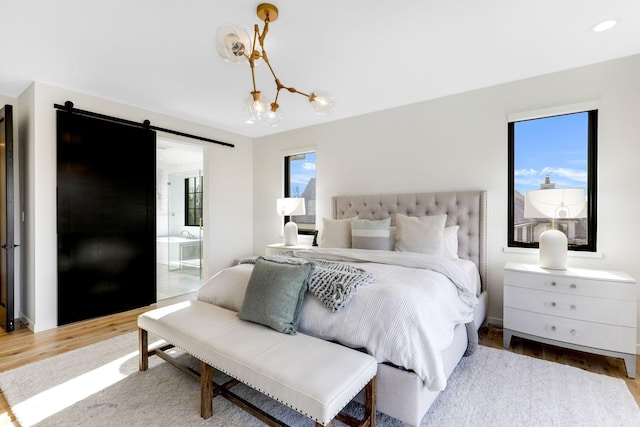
x=256, y=388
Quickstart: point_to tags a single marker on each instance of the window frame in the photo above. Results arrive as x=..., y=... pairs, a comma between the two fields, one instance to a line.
x=287, y=185
x=592, y=172
x=197, y=210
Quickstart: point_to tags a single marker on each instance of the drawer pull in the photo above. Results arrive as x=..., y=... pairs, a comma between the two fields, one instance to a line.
x=552, y=283
x=573, y=332
x=555, y=304
x=573, y=286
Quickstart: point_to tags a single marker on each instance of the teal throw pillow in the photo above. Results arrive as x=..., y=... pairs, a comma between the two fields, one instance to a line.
x=274, y=294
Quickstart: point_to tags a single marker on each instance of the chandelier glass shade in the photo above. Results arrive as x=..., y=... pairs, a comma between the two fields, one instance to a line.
x=255, y=108
x=234, y=44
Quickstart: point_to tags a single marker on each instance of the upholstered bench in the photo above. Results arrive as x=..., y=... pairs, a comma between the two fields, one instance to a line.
x=314, y=377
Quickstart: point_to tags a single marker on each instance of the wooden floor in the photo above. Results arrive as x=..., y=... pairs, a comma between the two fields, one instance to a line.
x=22, y=347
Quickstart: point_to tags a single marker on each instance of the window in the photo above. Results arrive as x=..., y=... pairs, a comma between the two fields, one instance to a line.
x=300, y=181
x=553, y=151
x=193, y=201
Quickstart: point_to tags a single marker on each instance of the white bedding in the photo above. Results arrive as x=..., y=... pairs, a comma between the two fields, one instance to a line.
x=406, y=317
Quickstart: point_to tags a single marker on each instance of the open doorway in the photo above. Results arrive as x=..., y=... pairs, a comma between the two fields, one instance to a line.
x=179, y=192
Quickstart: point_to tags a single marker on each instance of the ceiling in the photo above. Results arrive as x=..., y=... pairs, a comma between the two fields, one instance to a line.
x=173, y=155
x=371, y=54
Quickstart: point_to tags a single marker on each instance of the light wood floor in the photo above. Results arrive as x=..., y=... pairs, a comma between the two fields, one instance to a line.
x=22, y=347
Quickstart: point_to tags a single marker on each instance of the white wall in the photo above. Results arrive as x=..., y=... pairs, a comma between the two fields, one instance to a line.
x=460, y=143
x=227, y=204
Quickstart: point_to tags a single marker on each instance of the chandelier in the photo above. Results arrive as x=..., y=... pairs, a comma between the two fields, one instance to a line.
x=234, y=45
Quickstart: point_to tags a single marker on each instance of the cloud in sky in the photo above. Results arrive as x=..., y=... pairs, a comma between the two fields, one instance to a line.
x=530, y=179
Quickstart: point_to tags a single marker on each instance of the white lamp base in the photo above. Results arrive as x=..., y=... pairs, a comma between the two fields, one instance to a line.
x=290, y=234
x=553, y=250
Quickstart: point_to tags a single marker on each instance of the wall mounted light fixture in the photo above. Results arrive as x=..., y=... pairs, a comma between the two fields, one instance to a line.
x=234, y=45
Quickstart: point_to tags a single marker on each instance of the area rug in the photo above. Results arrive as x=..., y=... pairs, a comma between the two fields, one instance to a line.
x=100, y=385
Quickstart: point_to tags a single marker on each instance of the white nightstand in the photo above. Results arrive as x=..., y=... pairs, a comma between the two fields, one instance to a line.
x=276, y=248
x=586, y=310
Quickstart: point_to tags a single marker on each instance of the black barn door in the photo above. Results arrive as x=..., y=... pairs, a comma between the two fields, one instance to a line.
x=106, y=217
x=6, y=220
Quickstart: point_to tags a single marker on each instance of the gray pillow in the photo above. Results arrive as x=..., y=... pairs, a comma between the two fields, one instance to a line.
x=371, y=234
x=274, y=294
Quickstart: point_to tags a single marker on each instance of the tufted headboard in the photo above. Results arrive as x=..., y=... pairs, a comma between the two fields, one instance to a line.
x=464, y=208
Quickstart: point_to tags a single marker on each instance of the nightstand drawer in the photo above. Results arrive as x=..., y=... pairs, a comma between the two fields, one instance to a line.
x=590, y=334
x=600, y=310
x=572, y=285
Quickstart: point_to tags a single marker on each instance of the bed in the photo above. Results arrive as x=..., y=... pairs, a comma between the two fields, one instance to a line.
x=417, y=350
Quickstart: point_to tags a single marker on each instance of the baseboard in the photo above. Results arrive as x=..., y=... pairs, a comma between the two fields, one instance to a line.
x=494, y=321
x=25, y=321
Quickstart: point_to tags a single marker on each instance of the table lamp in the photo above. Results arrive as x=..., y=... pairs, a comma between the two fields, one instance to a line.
x=554, y=203
x=289, y=206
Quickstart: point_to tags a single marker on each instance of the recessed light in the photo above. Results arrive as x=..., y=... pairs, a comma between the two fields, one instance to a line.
x=604, y=25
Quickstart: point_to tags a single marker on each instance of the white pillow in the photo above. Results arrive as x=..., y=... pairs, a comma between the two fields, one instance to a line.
x=450, y=242
x=336, y=233
x=420, y=234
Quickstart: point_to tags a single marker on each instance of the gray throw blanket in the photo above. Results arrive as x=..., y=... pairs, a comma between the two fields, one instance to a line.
x=334, y=283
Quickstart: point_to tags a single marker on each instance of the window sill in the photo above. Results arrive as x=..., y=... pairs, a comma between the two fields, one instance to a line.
x=571, y=254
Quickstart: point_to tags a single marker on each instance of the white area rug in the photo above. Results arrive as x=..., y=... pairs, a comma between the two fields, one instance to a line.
x=100, y=385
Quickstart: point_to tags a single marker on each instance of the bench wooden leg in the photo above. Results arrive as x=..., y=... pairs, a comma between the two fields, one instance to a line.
x=206, y=390
x=369, y=419
x=143, y=350
x=370, y=402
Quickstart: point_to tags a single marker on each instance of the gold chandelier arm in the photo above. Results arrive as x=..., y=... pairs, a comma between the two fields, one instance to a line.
x=265, y=57
x=279, y=85
x=265, y=30
x=256, y=36
x=293, y=90
x=268, y=13
x=253, y=74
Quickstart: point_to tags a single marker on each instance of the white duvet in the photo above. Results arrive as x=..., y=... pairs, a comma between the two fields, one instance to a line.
x=406, y=317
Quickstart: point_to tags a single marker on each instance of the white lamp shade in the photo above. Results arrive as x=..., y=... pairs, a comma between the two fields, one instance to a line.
x=555, y=203
x=288, y=206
